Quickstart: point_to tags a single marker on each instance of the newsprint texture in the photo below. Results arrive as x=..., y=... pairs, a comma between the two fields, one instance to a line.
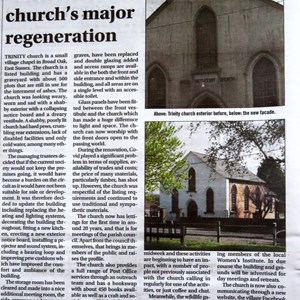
x=149, y=150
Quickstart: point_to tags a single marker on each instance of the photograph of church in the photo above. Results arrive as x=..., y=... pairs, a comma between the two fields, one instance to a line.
x=215, y=54
x=217, y=181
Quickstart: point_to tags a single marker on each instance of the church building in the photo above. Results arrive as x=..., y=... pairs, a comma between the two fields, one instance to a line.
x=215, y=192
x=215, y=54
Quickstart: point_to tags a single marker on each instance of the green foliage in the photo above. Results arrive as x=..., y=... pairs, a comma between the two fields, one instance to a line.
x=192, y=245
x=164, y=163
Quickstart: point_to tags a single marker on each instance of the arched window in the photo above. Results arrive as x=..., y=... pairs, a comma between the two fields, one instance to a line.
x=192, y=180
x=257, y=197
x=210, y=201
x=233, y=198
x=156, y=89
x=246, y=198
x=264, y=78
x=206, y=37
x=175, y=201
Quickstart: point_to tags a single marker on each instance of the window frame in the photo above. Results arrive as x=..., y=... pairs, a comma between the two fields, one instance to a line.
x=233, y=198
x=246, y=198
x=206, y=30
x=157, y=97
x=175, y=201
x=191, y=180
x=265, y=82
x=210, y=201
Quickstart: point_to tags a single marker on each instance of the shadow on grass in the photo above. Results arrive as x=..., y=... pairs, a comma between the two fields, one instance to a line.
x=165, y=244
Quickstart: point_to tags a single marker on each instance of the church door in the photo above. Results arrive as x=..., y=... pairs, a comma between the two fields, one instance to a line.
x=192, y=210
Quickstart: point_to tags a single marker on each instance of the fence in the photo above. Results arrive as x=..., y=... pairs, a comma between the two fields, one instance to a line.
x=217, y=230
x=171, y=231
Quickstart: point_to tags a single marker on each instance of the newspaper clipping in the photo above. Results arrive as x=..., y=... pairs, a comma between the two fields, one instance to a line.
x=146, y=150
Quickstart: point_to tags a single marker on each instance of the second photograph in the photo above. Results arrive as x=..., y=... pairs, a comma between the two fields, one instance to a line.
x=215, y=185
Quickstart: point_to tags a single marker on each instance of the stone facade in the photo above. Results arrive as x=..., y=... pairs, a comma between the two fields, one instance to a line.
x=214, y=54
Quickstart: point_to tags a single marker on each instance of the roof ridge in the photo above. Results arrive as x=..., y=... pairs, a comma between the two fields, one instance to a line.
x=221, y=170
x=167, y=2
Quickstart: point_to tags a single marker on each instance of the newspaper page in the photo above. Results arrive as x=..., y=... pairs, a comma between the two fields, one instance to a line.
x=148, y=150
x=71, y=164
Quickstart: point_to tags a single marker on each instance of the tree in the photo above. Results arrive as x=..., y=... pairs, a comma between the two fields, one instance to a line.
x=235, y=141
x=164, y=160
x=271, y=172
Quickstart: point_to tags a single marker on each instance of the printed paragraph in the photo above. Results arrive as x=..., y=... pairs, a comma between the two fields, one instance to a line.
x=33, y=289
x=113, y=280
x=108, y=72
x=251, y=276
x=177, y=275
x=34, y=101
x=33, y=214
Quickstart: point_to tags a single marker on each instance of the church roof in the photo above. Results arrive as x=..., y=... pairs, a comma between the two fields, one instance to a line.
x=167, y=2
x=237, y=172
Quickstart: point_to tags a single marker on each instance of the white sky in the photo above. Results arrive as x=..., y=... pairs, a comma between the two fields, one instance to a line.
x=152, y=5
x=199, y=141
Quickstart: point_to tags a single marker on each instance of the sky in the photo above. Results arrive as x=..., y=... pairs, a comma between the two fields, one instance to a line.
x=199, y=141
x=152, y=5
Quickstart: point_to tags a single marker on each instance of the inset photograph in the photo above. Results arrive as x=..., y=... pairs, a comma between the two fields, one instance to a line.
x=214, y=54
x=215, y=185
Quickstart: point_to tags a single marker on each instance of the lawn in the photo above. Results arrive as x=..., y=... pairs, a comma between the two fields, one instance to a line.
x=168, y=244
